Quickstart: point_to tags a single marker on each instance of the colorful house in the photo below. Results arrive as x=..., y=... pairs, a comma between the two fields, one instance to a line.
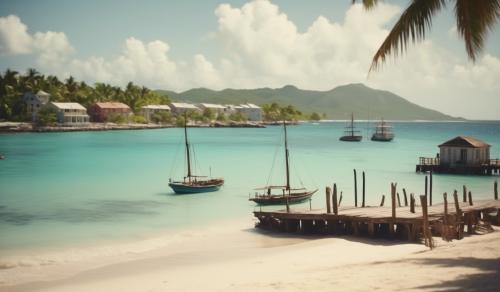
x=100, y=111
x=34, y=102
x=70, y=113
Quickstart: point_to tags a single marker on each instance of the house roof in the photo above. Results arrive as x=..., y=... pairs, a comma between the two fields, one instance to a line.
x=211, y=105
x=250, y=105
x=183, y=105
x=112, y=105
x=42, y=93
x=464, y=141
x=69, y=105
x=159, y=106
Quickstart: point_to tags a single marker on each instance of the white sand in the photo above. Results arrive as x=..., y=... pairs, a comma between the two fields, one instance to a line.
x=236, y=257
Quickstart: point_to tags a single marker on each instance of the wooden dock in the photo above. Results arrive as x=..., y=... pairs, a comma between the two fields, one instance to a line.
x=403, y=220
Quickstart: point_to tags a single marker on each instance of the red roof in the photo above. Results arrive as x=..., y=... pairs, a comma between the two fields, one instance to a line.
x=112, y=105
x=465, y=141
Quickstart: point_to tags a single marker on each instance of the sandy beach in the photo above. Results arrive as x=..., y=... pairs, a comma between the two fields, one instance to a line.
x=238, y=257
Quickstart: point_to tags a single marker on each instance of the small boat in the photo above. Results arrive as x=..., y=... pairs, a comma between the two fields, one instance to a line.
x=288, y=195
x=383, y=132
x=2, y=157
x=350, y=134
x=194, y=183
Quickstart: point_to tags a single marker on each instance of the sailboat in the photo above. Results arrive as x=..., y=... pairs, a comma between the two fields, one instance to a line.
x=288, y=195
x=383, y=132
x=350, y=134
x=194, y=183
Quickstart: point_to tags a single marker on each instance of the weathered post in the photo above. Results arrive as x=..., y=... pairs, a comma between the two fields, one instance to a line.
x=382, y=201
x=426, y=186
x=465, y=194
x=335, y=206
x=470, y=198
x=406, y=198
x=355, y=188
x=412, y=203
x=495, y=188
x=328, y=205
x=363, y=203
x=430, y=188
x=425, y=222
x=340, y=199
x=399, y=200
x=393, y=208
x=458, y=215
x=444, y=229
x=287, y=205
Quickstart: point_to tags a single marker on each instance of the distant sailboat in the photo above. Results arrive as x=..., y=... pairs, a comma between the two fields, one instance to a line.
x=383, y=132
x=350, y=134
x=194, y=183
x=288, y=195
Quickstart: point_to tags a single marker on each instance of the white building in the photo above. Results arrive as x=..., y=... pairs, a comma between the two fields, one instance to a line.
x=251, y=111
x=70, y=113
x=216, y=108
x=181, y=107
x=149, y=110
x=34, y=102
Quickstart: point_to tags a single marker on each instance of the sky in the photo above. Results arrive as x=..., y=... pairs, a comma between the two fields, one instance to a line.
x=316, y=45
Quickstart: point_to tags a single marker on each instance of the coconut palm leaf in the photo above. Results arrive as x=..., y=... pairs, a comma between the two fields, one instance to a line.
x=474, y=20
x=368, y=4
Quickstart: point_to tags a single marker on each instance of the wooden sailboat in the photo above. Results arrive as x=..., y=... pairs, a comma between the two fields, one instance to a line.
x=383, y=132
x=350, y=134
x=194, y=183
x=288, y=195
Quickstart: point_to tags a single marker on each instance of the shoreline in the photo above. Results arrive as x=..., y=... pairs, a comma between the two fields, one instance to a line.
x=253, y=259
x=14, y=127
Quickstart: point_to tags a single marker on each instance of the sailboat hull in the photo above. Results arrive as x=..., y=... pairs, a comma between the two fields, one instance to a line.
x=196, y=187
x=382, y=138
x=293, y=198
x=351, y=138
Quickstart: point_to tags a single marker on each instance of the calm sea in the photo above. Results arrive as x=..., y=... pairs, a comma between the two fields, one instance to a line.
x=65, y=189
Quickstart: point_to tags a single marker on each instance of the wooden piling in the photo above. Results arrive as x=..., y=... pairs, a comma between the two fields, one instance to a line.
x=363, y=202
x=393, y=208
x=465, y=194
x=399, y=200
x=430, y=188
x=470, y=199
x=495, y=189
x=425, y=222
x=382, y=201
x=328, y=205
x=406, y=198
x=355, y=188
x=426, y=185
x=412, y=203
x=335, y=207
x=340, y=199
x=445, y=228
x=458, y=216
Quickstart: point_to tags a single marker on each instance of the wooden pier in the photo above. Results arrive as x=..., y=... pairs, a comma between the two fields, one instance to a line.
x=490, y=167
x=406, y=221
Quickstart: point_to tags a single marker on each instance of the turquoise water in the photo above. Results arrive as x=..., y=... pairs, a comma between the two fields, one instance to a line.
x=63, y=189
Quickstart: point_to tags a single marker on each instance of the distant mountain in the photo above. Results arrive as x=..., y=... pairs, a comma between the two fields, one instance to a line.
x=338, y=103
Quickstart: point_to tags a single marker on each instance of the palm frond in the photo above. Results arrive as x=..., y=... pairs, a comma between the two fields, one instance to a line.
x=368, y=4
x=412, y=25
x=474, y=20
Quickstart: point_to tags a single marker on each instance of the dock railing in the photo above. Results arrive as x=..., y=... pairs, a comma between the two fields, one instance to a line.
x=494, y=162
x=429, y=161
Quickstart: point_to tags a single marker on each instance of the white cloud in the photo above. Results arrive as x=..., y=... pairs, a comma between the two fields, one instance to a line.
x=14, y=37
x=260, y=46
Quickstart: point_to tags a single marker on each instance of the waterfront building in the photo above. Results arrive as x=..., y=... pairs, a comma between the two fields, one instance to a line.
x=34, y=102
x=100, y=111
x=70, y=113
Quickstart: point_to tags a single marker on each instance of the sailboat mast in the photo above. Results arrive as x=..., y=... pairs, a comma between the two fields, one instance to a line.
x=286, y=159
x=187, y=147
x=352, y=124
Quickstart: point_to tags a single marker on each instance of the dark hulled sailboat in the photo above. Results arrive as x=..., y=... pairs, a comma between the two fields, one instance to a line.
x=350, y=134
x=194, y=183
x=288, y=194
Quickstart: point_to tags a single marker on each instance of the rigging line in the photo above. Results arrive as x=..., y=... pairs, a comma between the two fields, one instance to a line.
x=176, y=157
x=277, y=148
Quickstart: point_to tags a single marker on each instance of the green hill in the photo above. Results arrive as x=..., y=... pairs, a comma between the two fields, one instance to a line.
x=338, y=103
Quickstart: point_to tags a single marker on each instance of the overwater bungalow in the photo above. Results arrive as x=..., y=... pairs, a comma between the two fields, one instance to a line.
x=462, y=154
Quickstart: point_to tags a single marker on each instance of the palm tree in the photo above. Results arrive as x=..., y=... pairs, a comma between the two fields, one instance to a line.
x=474, y=18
